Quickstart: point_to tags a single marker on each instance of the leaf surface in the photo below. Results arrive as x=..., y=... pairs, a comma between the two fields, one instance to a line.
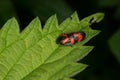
x=34, y=55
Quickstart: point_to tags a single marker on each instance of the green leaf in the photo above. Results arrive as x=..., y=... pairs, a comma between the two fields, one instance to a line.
x=70, y=23
x=7, y=36
x=34, y=55
x=114, y=43
x=48, y=28
x=32, y=33
x=68, y=70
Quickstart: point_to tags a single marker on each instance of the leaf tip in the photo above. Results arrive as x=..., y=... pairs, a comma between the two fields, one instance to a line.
x=55, y=16
x=100, y=16
x=36, y=19
x=12, y=19
x=75, y=14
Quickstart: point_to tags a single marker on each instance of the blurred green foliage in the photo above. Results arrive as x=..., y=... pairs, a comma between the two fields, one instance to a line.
x=114, y=43
x=108, y=3
x=111, y=4
x=6, y=11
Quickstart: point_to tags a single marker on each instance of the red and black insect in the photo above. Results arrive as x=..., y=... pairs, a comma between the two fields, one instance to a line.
x=70, y=39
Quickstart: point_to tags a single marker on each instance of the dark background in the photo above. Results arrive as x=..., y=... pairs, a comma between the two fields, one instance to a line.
x=103, y=65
